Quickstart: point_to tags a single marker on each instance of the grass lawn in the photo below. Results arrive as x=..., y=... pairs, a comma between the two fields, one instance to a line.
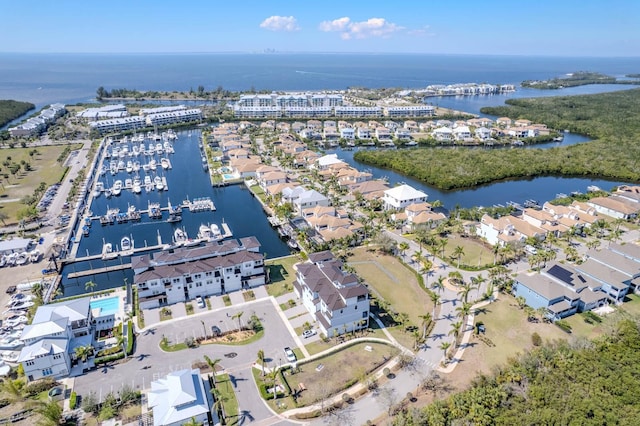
x=339, y=370
x=390, y=280
x=45, y=169
x=631, y=304
x=507, y=327
x=230, y=403
x=474, y=252
x=320, y=345
x=259, y=192
x=282, y=275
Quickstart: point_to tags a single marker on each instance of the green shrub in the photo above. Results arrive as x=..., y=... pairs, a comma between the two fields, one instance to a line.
x=130, y=337
x=536, y=339
x=266, y=395
x=73, y=401
x=40, y=386
x=564, y=326
x=109, y=358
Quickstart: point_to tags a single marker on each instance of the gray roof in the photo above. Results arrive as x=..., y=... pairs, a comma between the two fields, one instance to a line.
x=74, y=310
x=616, y=261
x=630, y=250
x=44, y=347
x=14, y=244
x=546, y=287
x=603, y=273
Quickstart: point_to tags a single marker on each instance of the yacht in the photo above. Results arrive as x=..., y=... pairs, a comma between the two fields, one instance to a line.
x=180, y=236
x=98, y=189
x=34, y=256
x=204, y=232
x=22, y=258
x=129, y=167
x=151, y=149
x=107, y=248
x=136, y=166
x=125, y=243
x=128, y=183
x=159, y=149
x=137, y=187
x=157, y=181
x=153, y=164
x=117, y=188
x=107, y=192
x=164, y=162
x=215, y=232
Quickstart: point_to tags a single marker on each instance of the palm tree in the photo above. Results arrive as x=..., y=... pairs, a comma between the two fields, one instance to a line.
x=442, y=243
x=455, y=277
x=458, y=252
x=435, y=298
x=13, y=389
x=466, y=289
x=403, y=247
x=83, y=352
x=426, y=320
x=478, y=281
x=238, y=316
x=120, y=341
x=218, y=403
x=445, y=346
x=464, y=309
x=439, y=284
x=426, y=269
x=261, y=359
x=212, y=364
x=455, y=332
x=89, y=286
x=192, y=422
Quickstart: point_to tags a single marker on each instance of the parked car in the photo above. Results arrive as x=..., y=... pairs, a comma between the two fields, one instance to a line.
x=291, y=357
x=200, y=302
x=308, y=333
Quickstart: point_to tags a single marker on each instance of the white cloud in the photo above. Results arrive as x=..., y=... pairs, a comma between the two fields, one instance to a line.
x=339, y=24
x=280, y=23
x=373, y=27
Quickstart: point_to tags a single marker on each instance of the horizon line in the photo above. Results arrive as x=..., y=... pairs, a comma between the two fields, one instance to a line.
x=276, y=52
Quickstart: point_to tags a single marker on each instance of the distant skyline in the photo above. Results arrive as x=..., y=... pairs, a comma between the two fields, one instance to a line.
x=492, y=27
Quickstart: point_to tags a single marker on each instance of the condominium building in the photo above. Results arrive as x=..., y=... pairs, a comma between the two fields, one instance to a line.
x=178, y=275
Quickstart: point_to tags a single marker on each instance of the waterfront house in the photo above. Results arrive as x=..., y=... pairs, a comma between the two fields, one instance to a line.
x=363, y=132
x=324, y=162
x=334, y=298
x=443, y=134
x=348, y=133
x=182, y=274
x=618, y=261
x=369, y=190
x=51, y=338
x=383, y=134
x=461, y=133
x=272, y=178
x=482, y=133
x=615, y=206
x=507, y=229
x=614, y=282
x=245, y=167
x=544, y=220
x=349, y=176
x=418, y=214
x=180, y=397
x=401, y=196
x=504, y=122
x=409, y=111
x=309, y=198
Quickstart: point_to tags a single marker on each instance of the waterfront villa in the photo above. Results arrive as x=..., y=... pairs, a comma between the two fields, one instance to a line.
x=181, y=274
x=615, y=206
x=35, y=125
x=418, y=214
x=334, y=298
x=179, y=397
x=401, y=196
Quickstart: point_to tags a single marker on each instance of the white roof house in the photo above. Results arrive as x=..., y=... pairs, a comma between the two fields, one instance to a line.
x=327, y=160
x=401, y=196
x=178, y=397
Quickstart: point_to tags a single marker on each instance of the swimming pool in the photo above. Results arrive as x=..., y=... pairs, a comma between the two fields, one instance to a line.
x=228, y=176
x=225, y=169
x=107, y=306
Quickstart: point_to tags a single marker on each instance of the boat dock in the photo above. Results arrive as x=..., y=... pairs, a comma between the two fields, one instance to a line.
x=88, y=272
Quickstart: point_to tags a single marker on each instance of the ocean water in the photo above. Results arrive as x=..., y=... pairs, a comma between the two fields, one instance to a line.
x=72, y=78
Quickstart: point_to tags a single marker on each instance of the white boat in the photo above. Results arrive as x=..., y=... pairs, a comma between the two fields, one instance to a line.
x=107, y=248
x=204, y=232
x=159, y=149
x=151, y=149
x=215, y=231
x=125, y=243
x=153, y=164
x=157, y=181
x=136, y=166
x=3, y=261
x=593, y=188
x=117, y=188
x=129, y=167
x=22, y=258
x=10, y=357
x=4, y=369
x=98, y=189
x=164, y=162
x=15, y=320
x=128, y=183
x=107, y=193
x=180, y=236
x=137, y=188
x=22, y=305
x=121, y=165
x=34, y=256
x=11, y=343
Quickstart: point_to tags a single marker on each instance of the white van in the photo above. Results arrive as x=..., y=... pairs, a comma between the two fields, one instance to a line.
x=530, y=249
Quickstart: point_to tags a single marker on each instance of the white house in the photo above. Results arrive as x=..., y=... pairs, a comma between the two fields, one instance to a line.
x=443, y=134
x=333, y=297
x=56, y=330
x=461, y=133
x=179, y=397
x=308, y=199
x=399, y=197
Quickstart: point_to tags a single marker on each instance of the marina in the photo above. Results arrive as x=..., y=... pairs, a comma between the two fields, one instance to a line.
x=150, y=219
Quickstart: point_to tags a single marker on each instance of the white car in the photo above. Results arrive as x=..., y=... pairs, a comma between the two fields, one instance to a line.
x=291, y=357
x=200, y=301
x=308, y=333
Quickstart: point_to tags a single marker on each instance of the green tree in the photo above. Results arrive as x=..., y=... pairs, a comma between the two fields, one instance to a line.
x=212, y=365
x=89, y=286
x=455, y=332
x=402, y=247
x=50, y=413
x=261, y=358
x=444, y=346
x=426, y=320
x=458, y=252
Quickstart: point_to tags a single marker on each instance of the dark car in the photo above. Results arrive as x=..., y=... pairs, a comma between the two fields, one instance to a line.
x=11, y=289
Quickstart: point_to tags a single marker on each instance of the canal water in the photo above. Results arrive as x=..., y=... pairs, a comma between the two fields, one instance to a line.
x=235, y=206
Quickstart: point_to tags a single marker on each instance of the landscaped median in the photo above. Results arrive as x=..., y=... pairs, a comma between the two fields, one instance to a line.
x=316, y=384
x=243, y=335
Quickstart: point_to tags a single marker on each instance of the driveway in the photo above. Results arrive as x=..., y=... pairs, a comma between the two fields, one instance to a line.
x=150, y=362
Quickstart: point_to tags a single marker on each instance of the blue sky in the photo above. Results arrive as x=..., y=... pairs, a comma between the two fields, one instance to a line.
x=541, y=27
